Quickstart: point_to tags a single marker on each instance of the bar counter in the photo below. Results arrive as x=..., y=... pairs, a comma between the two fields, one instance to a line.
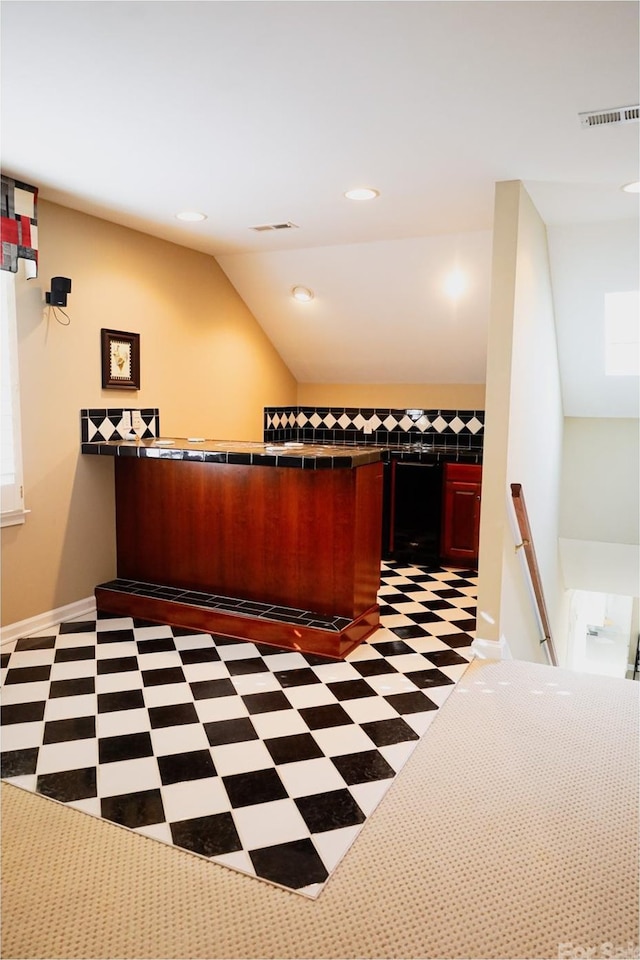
x=226, y=537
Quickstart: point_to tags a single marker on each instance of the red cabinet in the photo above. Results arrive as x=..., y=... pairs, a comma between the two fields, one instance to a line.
x=461, y=514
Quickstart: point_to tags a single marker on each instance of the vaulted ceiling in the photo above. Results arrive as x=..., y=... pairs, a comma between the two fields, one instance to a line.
x=267, y=112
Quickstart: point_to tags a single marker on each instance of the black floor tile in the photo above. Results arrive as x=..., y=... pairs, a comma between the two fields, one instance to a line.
x=385, y=732
x=327, y=715
x=134, y=809
x=424, y=616
x=364, y=767
x=210, y=836
x=429, y=678
x=410, y=702
x=69, y=654
x=172, y=715
x=19, y=763
x=28, y=674
x=458, y=639
x=69, y=785
x=410, y=633
x=257, y=786
x=178, y=767
x=129, y=746
x=392, y=648
x=465, y=625
x=77, y=626
x=117, y=665
x=444, y=658
x=200, y=655
x=22, y=712
x=72, y=688
x=296, y=678
x=373, y=668
x=77, y=728
x=351, y=689
x=208, y=689
x=266, y=702
x=242, y=668
x=329, y=811
x=35, y=643
x=238, y=730
x=159, y=645
x=156, y=678
x=120, y=700
x=295, y=864
x=298, y=746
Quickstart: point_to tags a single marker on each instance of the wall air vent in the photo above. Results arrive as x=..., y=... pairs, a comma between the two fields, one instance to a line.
x=275, y=226
x=599, y=118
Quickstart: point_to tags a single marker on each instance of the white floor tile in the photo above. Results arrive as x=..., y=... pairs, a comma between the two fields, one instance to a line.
x=74, y=755
x=279, y=723
x=305, y=777
x=128, y=776
x=265, y=824
x=73, y=670
x=337, y=741
x=194, y=798
x=25, y=692
x=111, y=651
x=64, y=708
x=166, y=694
x=121, y=722
x=222, y=708
x=182, y=739
x=230, y=758
x=116, y=682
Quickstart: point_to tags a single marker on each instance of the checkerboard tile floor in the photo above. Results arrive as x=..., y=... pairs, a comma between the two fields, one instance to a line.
x=266, y=760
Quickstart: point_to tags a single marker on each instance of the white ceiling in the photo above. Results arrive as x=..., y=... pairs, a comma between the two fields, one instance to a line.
x=267, y=111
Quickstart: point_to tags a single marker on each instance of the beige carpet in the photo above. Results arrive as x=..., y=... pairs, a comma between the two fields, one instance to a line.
x=510, y=833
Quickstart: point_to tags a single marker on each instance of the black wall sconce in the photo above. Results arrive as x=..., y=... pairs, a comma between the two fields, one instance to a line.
x=60, y=287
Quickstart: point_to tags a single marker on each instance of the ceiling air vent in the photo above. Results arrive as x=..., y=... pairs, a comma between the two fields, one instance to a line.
x=275, y=226
x=598, y=118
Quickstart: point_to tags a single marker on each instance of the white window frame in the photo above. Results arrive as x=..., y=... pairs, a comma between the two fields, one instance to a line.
x=12, y=509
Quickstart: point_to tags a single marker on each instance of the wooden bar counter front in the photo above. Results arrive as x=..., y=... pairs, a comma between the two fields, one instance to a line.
x=281, y=555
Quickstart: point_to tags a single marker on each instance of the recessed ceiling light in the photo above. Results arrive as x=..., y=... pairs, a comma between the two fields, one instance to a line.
x=303, y=294
x=362, y=193
x=632, y=187
x=191, y=216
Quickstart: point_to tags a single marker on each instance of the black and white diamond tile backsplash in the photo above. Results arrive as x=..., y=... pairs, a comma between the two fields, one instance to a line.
x=461, y=429
x=100, y=424
x=266, y=760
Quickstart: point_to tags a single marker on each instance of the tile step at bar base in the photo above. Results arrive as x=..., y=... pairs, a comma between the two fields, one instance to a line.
x=301, y=630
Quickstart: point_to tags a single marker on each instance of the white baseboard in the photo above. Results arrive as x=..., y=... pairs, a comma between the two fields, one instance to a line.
x=44, y=621
x=491, y=649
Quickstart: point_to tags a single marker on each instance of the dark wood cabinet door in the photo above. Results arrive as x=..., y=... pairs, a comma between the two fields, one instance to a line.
x=461, y=517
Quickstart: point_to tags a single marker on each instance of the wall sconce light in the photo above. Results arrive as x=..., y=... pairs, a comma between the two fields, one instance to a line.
x=60, y=287
x=455, y=284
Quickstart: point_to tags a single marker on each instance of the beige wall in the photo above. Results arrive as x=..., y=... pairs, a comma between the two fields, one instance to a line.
x=601, y=466
x=205, y=362
x=523, y=436
x=434, y=396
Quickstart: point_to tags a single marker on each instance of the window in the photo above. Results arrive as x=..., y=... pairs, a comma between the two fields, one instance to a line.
x=621, y=333
x=12, y=498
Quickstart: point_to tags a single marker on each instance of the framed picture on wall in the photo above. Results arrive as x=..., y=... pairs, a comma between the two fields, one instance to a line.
x=120, y=360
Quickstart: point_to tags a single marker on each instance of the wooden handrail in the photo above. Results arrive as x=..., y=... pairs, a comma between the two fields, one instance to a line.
x=532, y=563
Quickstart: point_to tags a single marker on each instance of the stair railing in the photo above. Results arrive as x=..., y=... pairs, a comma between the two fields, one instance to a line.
x=534, y=571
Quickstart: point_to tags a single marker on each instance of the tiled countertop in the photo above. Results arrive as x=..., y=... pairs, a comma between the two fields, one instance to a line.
x=308, y=456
